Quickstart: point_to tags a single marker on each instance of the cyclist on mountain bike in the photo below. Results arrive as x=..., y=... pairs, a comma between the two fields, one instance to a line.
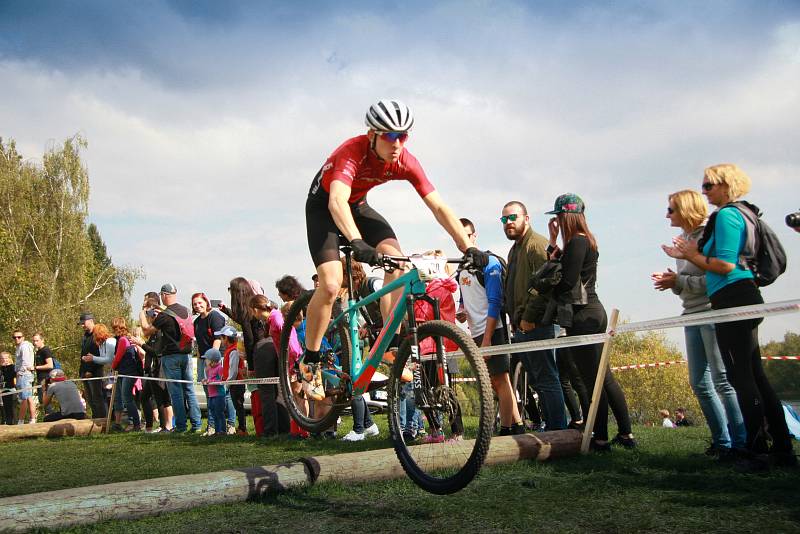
x=337, y=206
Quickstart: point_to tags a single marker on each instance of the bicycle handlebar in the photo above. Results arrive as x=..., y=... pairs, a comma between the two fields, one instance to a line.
x=390, y=263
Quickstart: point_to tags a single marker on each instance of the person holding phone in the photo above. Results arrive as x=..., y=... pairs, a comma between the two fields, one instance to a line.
x=207, y=321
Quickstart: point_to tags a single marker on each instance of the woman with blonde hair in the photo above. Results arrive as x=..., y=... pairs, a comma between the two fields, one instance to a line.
x=730, y=283
x=688, y=211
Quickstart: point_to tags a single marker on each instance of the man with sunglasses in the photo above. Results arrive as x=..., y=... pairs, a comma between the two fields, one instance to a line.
x=526, y=311
x=337, y=206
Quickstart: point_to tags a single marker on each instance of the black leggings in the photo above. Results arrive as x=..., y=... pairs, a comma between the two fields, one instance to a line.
x=153, y=396
x=738, y=343
x=237, y=396
x=265, y=362
x=591, y=319
x=8, y=408
x=575, y=394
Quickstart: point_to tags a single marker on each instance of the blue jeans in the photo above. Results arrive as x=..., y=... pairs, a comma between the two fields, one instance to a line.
x=230, y=409
x=176, y=367
x=216, y=410
x=410, y=417
x=542, y=367
x=361, y=416
x=123, y=398
x=716, y=396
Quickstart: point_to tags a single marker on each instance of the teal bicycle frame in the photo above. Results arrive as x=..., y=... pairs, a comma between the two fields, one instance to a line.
x=361, y=373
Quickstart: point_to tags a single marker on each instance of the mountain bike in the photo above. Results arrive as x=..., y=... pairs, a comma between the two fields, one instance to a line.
x=453, y=392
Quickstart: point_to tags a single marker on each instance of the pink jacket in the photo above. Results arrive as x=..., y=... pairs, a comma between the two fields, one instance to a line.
x=443, y=289
x=214, y=374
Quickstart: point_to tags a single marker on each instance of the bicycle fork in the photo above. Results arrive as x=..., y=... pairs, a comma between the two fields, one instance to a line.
x=423, y=392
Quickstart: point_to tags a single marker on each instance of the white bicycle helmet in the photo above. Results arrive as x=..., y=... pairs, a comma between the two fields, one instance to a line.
x=389, y=116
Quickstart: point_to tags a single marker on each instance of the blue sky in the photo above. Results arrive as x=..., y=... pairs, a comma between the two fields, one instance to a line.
x=207, y=121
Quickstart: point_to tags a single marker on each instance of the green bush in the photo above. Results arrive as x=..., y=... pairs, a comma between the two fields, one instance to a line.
x=651, y=389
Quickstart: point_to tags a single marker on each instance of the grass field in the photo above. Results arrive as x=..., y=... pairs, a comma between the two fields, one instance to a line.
x=667, y=485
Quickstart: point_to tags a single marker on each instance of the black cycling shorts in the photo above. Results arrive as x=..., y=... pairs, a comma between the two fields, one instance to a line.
x=324, y=236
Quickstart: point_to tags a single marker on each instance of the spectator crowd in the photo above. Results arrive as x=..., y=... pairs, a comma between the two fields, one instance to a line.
x=542, y=288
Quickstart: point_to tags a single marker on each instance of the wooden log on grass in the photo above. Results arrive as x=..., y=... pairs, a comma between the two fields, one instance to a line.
x=130, y=500
x=56, y=429
x=382, y=464
x=144, y=498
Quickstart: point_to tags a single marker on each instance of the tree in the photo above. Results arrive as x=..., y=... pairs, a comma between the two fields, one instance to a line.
x=653, y=388
x=784, y=375
x=54, y=265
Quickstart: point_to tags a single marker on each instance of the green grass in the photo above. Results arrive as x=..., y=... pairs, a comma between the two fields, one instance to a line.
x=667, y=485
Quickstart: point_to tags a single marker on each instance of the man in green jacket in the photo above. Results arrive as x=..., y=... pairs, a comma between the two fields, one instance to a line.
x=526, y=310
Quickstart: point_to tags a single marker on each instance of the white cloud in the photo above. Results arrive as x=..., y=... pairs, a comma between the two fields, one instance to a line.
x=202, y=144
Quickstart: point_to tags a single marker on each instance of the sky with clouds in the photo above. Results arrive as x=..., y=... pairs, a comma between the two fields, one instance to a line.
x=206, y=121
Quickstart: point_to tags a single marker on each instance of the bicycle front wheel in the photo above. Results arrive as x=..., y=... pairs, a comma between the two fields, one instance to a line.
x=458, y=408
x=314, y=415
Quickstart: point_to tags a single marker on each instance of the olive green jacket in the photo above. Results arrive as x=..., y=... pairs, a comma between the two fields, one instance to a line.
x=524, y=258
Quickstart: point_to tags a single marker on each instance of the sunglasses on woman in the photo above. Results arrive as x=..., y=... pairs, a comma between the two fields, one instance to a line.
x=708, y=186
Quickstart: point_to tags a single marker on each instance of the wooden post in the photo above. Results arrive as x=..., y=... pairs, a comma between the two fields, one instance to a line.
x=142, y=498
x=55, y=429
x=111, y=403
x=598, y=383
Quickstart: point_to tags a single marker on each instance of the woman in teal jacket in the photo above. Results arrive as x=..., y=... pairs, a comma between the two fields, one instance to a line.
x=730, y=283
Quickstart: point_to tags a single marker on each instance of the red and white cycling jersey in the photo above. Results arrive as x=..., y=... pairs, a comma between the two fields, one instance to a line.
x=357, y=166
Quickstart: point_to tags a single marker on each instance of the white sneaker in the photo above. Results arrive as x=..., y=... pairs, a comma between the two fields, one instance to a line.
x=209, y=432
x=353, y=436
x=231, y=430
x=372, y=431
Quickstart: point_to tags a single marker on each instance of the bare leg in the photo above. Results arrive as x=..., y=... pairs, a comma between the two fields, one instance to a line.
x=509, y=413
x=167, y=421
x=319, y=309
x=23, y=410
x=300, y=401
x=390, y=247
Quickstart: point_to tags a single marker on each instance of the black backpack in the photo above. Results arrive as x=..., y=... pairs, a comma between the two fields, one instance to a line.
x=763, y=253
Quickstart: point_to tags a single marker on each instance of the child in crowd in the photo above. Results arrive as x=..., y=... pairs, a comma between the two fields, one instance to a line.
x=216, y=394
x=666, y=422
x=7, y=385
x=295, y=350
x=233, y=368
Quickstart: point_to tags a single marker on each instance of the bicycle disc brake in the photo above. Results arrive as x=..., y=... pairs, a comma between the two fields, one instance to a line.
x=446, y=399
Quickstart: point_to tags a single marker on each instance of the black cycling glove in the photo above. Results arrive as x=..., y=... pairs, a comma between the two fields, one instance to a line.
x=364, y=253
x=477, y=258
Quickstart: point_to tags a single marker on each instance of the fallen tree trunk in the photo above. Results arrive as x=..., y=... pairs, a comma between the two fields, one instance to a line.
x=56, y=429
x=141, y=498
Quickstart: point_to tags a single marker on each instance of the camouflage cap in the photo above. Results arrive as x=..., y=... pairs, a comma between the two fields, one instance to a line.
x=568, y=203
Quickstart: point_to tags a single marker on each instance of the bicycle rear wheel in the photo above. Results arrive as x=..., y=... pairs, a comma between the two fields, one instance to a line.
x=460, y=415
x=321, y=415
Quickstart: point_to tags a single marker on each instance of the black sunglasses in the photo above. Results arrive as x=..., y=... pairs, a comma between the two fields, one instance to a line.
x=708, y=186
x=670, y=211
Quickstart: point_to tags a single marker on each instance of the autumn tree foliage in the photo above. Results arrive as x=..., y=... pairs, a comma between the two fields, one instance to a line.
x=54, y=265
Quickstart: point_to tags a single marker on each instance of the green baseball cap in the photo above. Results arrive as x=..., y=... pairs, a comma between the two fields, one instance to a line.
x=568, y=203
